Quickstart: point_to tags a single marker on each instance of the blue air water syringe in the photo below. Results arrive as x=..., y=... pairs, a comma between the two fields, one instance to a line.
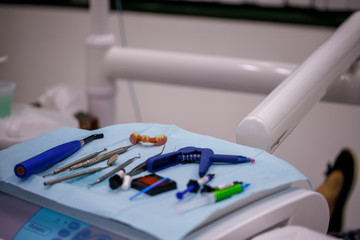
x=213, y=197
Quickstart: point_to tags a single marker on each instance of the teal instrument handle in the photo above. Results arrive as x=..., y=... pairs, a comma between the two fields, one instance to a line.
x=50, y=157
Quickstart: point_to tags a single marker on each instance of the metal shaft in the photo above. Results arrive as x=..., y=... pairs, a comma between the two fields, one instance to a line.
x=101, y=157
x=66, y=167
x=116, y=169
x=74, y=175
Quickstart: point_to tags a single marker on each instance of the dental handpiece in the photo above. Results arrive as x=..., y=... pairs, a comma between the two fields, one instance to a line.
x=100, y=158
x=51, y=156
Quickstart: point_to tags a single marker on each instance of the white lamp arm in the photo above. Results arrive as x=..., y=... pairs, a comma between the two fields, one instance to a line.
x=273, y=119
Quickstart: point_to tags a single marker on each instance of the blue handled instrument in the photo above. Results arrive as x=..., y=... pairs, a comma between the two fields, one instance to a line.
x=204, y=156
x=51, y=156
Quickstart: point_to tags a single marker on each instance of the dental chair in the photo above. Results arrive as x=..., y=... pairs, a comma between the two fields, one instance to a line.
x=265, y=127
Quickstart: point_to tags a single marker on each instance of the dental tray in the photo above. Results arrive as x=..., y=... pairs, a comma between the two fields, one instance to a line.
x=151, y=216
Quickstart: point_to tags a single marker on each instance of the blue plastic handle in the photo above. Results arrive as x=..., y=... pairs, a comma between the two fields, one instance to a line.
x=204, y=156
x=161, y=162
x=46, y=159
x=217, y=158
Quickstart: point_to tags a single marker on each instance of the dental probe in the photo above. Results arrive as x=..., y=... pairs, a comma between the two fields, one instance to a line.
x=101, y=157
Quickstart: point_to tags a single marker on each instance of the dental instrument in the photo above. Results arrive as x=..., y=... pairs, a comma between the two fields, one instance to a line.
x=67, y=167
x=51, y=156
x=74, y=175
x=109, y=163
x=115, y=169
x=194, y=185
x=213, y=197
x=204, y=156
x=100, y=158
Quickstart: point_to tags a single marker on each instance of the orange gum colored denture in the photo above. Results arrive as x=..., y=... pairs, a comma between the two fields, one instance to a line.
x=157, y=140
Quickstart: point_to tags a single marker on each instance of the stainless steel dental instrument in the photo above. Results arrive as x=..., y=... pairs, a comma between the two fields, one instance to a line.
x=74, y=175
x=100, y=158
x=110, y=162
x=115, y=170
x=66, y=167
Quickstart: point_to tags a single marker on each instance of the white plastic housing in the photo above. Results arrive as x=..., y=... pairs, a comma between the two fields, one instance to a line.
x=292, y=206
x=272, y=121
x=195, y=69
x=101, y=91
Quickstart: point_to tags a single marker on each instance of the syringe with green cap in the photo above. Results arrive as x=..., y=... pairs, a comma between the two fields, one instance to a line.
x=213, y=197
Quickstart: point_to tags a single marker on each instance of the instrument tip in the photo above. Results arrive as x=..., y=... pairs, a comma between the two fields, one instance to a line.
x=93, y=137
x=97, y=136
